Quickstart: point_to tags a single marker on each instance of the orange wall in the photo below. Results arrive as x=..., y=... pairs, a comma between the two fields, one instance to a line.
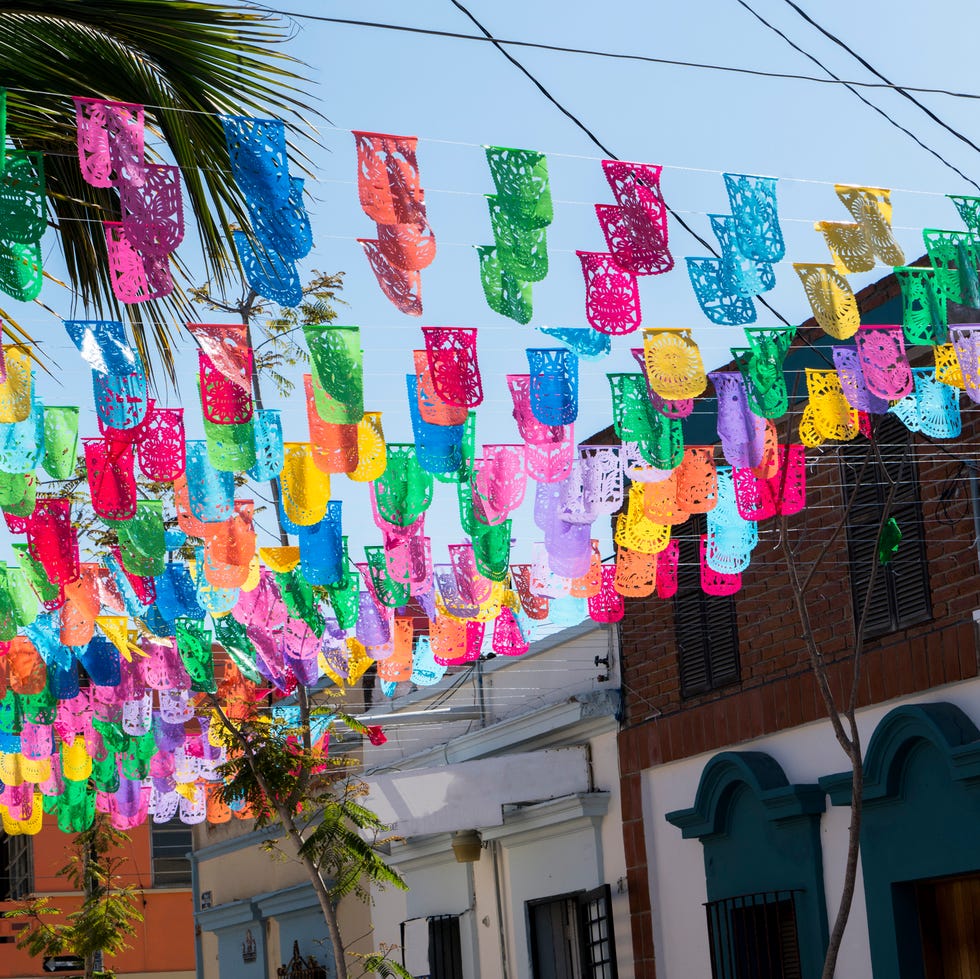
x=162, y=942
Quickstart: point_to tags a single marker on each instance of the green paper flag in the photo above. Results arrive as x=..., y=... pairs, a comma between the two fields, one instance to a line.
x=888, y=540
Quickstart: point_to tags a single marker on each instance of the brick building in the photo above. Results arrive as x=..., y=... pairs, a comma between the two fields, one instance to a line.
x=734, y=790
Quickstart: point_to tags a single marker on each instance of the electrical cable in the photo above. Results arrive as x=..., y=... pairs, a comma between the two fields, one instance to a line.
x=595, y=139
x=613, y=55
x=855, y=92
x=874, y=71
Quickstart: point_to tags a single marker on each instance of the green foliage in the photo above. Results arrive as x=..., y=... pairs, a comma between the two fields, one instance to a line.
x=108, y=914
x=186, y=62
x=276, y=767
x=379, y=964
x=276, y=347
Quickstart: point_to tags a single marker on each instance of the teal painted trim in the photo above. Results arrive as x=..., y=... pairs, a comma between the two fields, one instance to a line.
x=760, y=833
x=299, y=897
x=943, y=725
x=921, y=812
x=255, y=838
x=234, y=914
x=764, y=776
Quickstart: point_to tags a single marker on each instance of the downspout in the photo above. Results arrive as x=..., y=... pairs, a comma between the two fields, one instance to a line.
x=196, y=891
x=975, y=501
x=479, y=688
x=494, y=854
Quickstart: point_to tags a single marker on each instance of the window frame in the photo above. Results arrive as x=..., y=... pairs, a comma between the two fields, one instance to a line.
x=908, y=571
x=17, y=860
x=580, y=903
x=161, y=877
x=700, y=620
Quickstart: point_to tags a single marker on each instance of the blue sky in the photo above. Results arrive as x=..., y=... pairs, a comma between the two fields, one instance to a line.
x=456, y=95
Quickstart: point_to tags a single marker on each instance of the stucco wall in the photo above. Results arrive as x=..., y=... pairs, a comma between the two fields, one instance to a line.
x=676, y=866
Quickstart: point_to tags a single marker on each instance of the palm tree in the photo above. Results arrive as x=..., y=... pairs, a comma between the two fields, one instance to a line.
x=186, y=62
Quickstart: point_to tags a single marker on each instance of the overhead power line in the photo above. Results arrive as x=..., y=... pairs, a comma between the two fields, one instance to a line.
x=614, y=55
x=887, y=81
x=595, y=139
x=851, y=86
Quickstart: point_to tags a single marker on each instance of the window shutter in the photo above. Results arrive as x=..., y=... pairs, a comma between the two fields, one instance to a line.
x=909, y=571
x=704, y=625
x=901, y=592
x=721, y=639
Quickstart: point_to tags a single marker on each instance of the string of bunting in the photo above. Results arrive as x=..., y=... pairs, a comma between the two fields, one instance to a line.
x=104, y=666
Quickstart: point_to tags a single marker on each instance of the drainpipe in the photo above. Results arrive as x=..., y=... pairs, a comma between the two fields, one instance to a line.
x=196, y=890
x=975, y=500
x=479, y=688
x=494, y=853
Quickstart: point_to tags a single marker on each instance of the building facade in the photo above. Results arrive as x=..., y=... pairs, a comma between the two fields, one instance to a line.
x=510, y=815
x=735, y=791
x=156, y=864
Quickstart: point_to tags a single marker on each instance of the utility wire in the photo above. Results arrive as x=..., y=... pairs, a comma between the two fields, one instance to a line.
x=595, y=139
x=614, y=55
x=874, y=71
x=853, y=89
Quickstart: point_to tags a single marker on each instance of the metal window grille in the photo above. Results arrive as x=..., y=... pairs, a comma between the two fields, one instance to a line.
x=445, y=948
x=299, y=968
x=169, y=843
x=16, y=867
x=754, y=936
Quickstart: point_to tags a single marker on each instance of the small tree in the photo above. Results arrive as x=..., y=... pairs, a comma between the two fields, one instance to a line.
x=286, y=779
x=108, y=915
x=842, y=712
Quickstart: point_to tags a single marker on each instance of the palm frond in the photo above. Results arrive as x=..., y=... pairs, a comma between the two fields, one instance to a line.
x=187, y=63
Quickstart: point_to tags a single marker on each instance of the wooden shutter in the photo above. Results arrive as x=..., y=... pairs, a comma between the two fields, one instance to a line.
x=704, y=625
x=901, y=592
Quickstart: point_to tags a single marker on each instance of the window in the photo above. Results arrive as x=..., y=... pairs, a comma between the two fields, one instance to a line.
x=445, y=950
x=704, y=625
x=901, y=591
x=170, y=843
x=431, y=947
x=754, y=936
x=572, y=936
x=949, y=926
x=16, y=867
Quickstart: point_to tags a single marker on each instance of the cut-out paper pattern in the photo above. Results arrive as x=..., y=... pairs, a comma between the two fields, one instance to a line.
x=453, y=364
x=923, y=304
x=884, y=365
x=110, y=141
x=152, y=212
x=636, y=227
x=753, y=205
x=553, y=386
x=672, y=363
x=612, y=296
x=954, y=256
x=831, y=299
x=504, y=293
x=712, y=292
x=265, y=271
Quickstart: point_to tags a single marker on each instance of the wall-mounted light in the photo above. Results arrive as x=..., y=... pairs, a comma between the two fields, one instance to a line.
x=466, y=845
x=248, y=947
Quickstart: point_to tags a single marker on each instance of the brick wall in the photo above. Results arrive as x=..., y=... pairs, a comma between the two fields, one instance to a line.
x=777, y=689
